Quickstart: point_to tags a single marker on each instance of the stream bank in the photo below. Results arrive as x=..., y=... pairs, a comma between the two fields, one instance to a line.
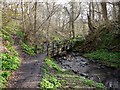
x=90, y=69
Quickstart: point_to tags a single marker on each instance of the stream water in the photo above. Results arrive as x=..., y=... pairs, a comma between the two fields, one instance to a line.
x=110, y=77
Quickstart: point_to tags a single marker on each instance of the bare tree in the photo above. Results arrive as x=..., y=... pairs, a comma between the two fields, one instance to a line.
x=35, y=25
x=72, y=17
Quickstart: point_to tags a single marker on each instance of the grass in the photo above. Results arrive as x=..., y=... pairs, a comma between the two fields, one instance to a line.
x=49, y=81
x=56, y=78
x=79, y=81
x=111, y=59
x=51, y=63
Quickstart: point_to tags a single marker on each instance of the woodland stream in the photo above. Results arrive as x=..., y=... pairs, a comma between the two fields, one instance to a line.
x=91, y=69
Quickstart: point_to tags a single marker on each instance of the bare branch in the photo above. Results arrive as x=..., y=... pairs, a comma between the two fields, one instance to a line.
x=49, y=16
x=78, y=12
x=67, y=10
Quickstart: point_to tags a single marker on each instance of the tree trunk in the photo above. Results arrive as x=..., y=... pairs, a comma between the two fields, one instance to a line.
x=99, y=14
x=35, y=15
x=72, y=20
x=70, y=35
x=22, y=17
x=104, y=11
x=119, y=12
x=114, y=11
x=91, y=28
x=35, y=24
x=89, y=16
x=93, y=12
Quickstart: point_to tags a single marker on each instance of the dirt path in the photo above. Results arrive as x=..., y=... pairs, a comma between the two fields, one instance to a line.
x=29, y=74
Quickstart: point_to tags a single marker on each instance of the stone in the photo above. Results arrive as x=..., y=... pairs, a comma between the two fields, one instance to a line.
x=84, y=74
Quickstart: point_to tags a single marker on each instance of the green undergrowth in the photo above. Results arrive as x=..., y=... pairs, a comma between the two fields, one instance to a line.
x=78, y=82
x=27, y=48
x=56, y=78
x=9, y=62
x=20, y=34
x=50, y=82
x=4, y=75
x=30, y=50
x=111, y=59
x=107, y=36
x=51, y=63
x=9, y=58
x=6, y=35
